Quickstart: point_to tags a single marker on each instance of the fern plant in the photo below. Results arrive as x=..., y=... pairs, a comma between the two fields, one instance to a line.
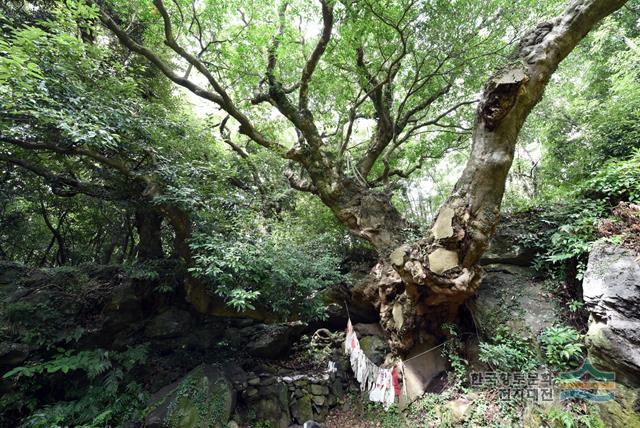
x=109, y=397
x=508, y=352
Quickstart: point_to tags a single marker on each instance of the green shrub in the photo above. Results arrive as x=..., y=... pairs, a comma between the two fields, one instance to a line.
x=618, y=179
x=574, y=239
x=563, y=347
x=39, y=325
x=283, y=269
x=570, y=418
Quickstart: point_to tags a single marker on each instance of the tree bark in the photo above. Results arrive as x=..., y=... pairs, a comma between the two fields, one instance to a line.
x=367, y=213
x=107, y=253
x=149, y=226
x=61, y=254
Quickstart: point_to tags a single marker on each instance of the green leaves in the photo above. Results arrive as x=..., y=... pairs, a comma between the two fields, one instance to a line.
x=240, y=299
x=617, y=180
x=93, y=362
x=282, y=269
x=16, y=60
x=563, y=347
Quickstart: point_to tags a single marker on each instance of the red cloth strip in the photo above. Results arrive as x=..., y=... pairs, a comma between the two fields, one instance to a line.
x=396, y=385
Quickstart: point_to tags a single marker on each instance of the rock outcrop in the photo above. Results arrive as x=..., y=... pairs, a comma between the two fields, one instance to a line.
x=103, y=307
x=210, y=395
x=294, y=397
x=515, y=241
x=611, y=289
x=510, y=296
x=205, y=397
x=170, y=323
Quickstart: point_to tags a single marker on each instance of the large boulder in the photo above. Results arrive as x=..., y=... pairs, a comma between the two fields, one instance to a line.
x=341, y=303
x=122, y=308
x=424, y=367
x=302, y=408
x=622, y=411
x=611, y=289
x=170, y=323
x=375, y=348
x=12, y=354
x=270, y=402
x=517, y=239
x=510, y=296
x=92, y=304
x=204, y=398
x=10, y=275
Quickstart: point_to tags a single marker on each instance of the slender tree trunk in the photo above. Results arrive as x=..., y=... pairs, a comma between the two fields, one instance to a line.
x=125, y=244
x=45, y=255
x=61, y=255
x=180, y=222
x=97, y=244
x=149, y=224
x=131, y=251
x=113, y=243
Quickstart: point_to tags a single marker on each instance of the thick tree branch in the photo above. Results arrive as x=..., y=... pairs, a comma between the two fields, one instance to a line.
x=385, y=129
x=272, y=56
x=370, y=84
x=300, y=184
x=423, y=284
x=255, y=174
x=116, y=164
x=441, y=268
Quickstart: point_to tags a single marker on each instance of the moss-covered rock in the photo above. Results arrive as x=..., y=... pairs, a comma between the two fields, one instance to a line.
x=459, y=409
x=611, y=289
x=204, y=398
x=170, y=323
x=622, y=411
x=509, y=295
x=272, y=340
x=302, y=409
x=518, y=238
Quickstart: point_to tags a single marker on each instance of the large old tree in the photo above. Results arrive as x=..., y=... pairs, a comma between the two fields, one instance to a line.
x=359, y=94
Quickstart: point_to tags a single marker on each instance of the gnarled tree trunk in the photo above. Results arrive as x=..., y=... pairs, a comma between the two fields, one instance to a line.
x=423, y=284
x=367, y=214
